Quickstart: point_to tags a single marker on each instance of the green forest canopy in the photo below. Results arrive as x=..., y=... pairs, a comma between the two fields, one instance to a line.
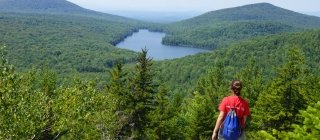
x=171, y=99
x=223, y=27
x=137, y=104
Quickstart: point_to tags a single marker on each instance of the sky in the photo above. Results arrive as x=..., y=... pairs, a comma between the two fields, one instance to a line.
x=190, y=5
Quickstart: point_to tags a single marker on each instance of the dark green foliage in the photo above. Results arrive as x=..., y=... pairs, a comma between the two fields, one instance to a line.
x=259, y=11
x=54, y=7
x=118, y=87
x=166, y=121
x=132, y=106
x=39, y=5
x=158, y=127
x=280, y=75
x=223, y=34
x=71, y=40
x=200, y=109
x=308, y=130
x=67, y=44
x=266, y=53
x=252, y=80
x=199, y=114
x=213, y=84
x=310, y=127
x=33, y=106
x=256, y=62
x=311, y=91
x=142, y=90
x=90, y=69
x=278, y=106
x=118, y=96
x=223, y=27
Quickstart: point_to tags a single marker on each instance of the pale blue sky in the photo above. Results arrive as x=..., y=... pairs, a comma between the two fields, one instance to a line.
x=191, y=5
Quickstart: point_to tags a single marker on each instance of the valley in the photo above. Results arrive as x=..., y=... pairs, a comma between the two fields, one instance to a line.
x=65, y=75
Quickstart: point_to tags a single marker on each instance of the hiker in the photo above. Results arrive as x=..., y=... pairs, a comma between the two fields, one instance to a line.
x=240, y=107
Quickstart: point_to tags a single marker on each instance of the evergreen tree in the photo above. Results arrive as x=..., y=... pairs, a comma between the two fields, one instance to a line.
x=278, y=106
x=176, y=123
x=309, y=130
x=251, y=77
x=142, y=90
x=117, y=89
x=213, y=83
x=199, y=114
x=311, y=90
x=159, y=116
x=117, y=99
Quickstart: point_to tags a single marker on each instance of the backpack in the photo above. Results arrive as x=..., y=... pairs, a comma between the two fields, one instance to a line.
x=231, y=129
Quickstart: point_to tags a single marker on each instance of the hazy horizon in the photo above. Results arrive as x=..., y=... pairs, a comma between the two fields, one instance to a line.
x=190, y=5
x=175, y=10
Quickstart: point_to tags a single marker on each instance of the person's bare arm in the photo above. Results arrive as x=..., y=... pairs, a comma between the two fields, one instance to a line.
x=244, y=121
x=218, y=123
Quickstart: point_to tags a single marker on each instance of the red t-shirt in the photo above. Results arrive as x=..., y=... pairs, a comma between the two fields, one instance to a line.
x=241, y=106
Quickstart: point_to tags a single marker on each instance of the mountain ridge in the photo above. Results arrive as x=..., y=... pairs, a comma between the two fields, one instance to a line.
x=53, y=7
x=55, y=31
x=226, y=26
x=258, y=11
x=40, y=6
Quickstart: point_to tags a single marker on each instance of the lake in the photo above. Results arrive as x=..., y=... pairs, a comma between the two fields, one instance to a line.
x=156, y=50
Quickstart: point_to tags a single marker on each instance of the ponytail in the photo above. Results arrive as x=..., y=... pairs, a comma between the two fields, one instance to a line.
x=236, y=86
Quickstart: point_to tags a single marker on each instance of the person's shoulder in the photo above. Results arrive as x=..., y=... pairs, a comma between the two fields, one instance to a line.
x=228, y=97
x=225, y=99
x=244, y=100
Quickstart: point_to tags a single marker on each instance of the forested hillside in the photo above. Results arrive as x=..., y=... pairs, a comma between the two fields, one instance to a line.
x=260, y=44
x=135, y=104
x=40, y=5
x=60, y=7
x=69, y=39
x=259, y=11
x=64, y=43
x=223, y=27
x=265, y=52
x=58, y=34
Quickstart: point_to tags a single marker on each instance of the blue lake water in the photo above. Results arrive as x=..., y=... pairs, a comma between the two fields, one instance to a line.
x=156, y=50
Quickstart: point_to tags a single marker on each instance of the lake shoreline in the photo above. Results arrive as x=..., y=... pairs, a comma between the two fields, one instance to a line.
x=153, y=42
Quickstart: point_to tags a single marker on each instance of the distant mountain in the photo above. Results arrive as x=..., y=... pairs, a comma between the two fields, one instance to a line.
x=161, y=17
x=40, y=5
x=260, y=11
x=51, y=7
x=313, y=13
x=63, y=35
x=223, y=27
